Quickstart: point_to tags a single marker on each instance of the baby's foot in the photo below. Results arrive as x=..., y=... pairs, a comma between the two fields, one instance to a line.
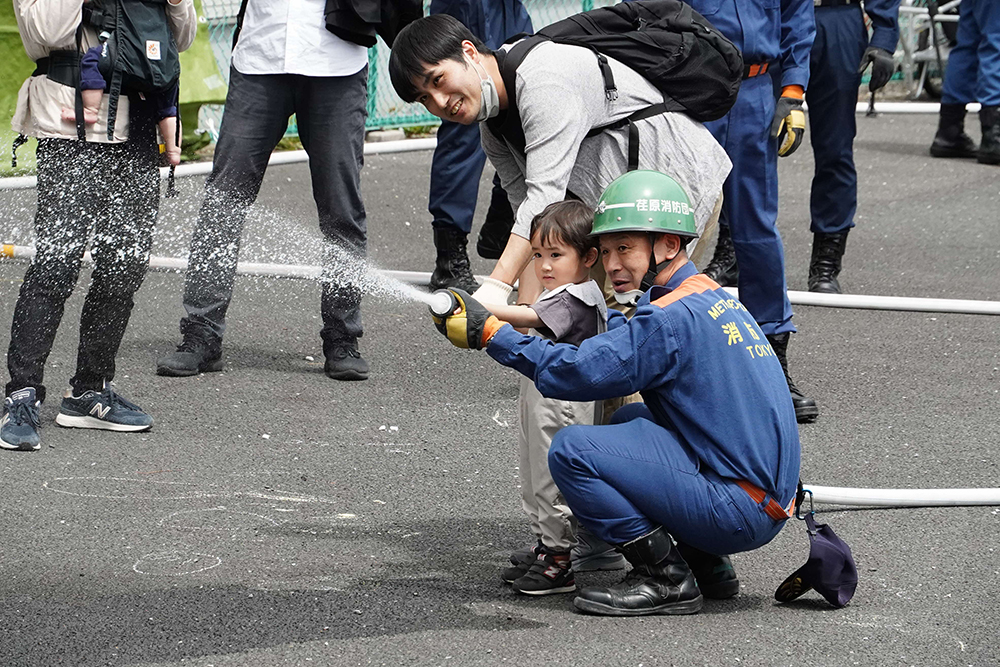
x=89, y=115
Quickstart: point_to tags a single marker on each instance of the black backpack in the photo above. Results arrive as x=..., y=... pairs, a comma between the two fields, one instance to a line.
x=139, y=53
x=675, y=48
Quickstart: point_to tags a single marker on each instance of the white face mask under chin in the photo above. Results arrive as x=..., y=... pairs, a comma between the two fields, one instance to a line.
x=489, y=100
x=629, y=298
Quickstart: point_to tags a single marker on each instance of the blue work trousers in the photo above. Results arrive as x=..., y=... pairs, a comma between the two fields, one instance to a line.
x=841, y=39
x=459, y=158
x=750, y=204
x=625, y=479
x=973, y=71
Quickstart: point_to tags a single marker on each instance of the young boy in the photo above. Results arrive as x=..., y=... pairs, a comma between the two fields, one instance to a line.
x=570, y=309
x=92, y=85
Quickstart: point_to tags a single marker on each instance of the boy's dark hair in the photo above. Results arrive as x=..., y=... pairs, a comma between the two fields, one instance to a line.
x=424, y=42
x=569, y=221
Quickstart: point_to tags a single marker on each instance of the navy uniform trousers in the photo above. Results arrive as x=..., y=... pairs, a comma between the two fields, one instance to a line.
x=841, y=39
x=750, y=204
x=459, y=158
x=973, y=72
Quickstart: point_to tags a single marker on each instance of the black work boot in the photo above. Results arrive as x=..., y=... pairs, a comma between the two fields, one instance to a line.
x=806, y=410
x=951, y=139
x=824, y=267
x=199, y=352
x=452, y=267
x=343, y=361
x=989, y=148
x=715, y=575
x=723, y=269
x=495, y=232
x=660, y=582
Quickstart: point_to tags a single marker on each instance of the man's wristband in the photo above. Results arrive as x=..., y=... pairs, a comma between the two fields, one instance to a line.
x=490, y=329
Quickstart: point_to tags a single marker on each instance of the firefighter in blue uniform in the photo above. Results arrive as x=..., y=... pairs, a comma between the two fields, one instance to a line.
x=840, y=53
x=771, y=34
x=459, y=158
x=711, y=459
x=972, y=75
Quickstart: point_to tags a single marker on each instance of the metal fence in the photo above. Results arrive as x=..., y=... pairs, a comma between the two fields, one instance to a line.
x=385, y=109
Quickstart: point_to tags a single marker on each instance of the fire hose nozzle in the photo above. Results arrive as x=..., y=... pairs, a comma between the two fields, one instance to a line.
x=443, y=303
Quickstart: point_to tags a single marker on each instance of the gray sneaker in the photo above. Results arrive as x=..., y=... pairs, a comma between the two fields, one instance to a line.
x=19, y=426
x=103, y=409
x=592, y=554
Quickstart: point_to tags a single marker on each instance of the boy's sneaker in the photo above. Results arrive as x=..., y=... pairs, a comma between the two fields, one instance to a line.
x=102, y=409
x=19, y=426
x=194, y=355
x=520, y=561
x=550, y=573
x=592, y=554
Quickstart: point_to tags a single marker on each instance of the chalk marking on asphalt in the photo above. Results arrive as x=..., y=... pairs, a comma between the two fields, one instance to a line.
x=48, y=484
x=172, y=557
x=163, y=521
x=290, y=498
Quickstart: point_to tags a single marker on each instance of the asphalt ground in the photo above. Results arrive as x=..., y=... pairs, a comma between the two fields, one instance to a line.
x=276, y=517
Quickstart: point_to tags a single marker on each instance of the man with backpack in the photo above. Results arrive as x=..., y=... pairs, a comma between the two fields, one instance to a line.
x=567, y=135
x=774, y=36
x=100, y=178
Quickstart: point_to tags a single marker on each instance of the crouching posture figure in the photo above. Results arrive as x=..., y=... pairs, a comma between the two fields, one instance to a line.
x=708, y=465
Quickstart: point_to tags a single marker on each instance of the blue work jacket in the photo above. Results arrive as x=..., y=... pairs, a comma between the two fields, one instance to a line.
x=885, y=23
x=778, y=32
x=704, y=369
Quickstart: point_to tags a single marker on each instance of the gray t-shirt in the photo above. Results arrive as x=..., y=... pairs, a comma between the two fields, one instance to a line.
x=560, y=98
x=572, y=313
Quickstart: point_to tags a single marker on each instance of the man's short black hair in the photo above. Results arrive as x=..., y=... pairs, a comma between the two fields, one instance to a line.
x=424, y=42
x=568, y=221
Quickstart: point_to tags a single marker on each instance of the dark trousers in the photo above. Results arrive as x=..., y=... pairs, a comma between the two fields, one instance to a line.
x=331, y=113
x=973, y=72
x=112, y=191
x=750, y=204
x=459, y=158
x=625, y=479
x=841, y=39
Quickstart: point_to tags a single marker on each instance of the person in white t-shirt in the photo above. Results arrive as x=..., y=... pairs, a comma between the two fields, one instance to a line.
x=285, y=62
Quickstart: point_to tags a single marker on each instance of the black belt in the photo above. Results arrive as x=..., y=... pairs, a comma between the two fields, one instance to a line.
x=750, y=71
x=60, y=66
x=835, y=3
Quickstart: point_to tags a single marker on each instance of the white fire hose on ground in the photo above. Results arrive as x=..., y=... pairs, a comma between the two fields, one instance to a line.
x=819, y=494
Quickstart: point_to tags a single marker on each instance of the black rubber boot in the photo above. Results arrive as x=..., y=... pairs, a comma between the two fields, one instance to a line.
x=989, y=148
x=452, y=266
x=660, y=582
x=715, y=575
x=806, y=410
x=723, y=269
x=824, y=267
x=199, y=352
x=496, y=228
x=951, y=139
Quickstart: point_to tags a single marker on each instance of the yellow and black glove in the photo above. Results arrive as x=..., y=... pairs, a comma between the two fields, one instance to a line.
x=789, y=124
x=471, y=325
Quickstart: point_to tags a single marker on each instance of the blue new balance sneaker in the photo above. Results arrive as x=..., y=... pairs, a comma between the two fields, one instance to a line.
x=19, y=426
x=102, y=409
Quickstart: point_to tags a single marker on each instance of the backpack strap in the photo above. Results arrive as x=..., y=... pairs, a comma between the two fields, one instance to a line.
x=507, y=126
x=239, y=22
x=633, y=130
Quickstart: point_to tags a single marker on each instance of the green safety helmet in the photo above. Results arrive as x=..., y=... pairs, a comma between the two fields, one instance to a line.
x=644, y=201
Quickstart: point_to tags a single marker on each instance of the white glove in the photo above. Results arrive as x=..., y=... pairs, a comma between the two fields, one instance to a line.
x=493, y=291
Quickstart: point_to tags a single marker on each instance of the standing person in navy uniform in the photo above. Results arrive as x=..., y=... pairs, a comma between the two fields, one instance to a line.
x=972, y=75
x=708, y=464
x=841, y=44
x=779, y=34
x=459, y=158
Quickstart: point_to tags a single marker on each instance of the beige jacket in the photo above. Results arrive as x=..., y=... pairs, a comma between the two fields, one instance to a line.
x=50, y=25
